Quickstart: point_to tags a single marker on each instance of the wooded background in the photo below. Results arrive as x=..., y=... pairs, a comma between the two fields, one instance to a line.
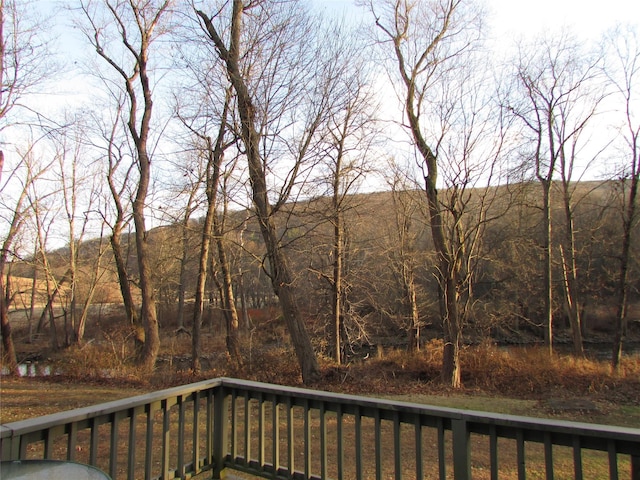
x=367, y=180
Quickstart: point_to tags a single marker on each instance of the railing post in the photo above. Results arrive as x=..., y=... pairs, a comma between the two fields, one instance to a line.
x=10, y=447
x=220, y=429
x=635, y=467
x=461, y=449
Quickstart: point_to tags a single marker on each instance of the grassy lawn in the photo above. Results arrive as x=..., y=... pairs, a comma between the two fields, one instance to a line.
x=590, y=411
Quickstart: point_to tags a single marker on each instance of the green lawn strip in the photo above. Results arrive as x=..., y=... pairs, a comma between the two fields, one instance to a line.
x=601, y=413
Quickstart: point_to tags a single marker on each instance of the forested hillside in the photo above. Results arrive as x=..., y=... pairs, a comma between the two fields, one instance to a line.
x=507, y=273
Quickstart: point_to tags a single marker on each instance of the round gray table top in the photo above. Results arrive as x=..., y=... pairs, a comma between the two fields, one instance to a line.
x=49, y=470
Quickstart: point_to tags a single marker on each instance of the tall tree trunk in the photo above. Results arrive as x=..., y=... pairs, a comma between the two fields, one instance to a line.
x=214, y=159
x=412, y=308
x=336, y=294
x=447, y=270
x=447, y=275
x=570, y=282
x=282, y=283
x=123, y=277
x=8, y=348
x=143, y=19
x=568, y=257
x=548, y=266
x=32, y=303
x=182, y=285
x=280, y=272
x=148, y=308
x=622, y=293
x=229, y=303
x=198, y=307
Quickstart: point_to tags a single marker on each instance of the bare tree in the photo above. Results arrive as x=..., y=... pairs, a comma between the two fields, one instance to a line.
x=136, y=24
x=117, y=154
x=208, y=117
x=427, y=42
x=347, y=139
x=559, y=100
x=213, y=228
x=404, y=254
x=624, y=76
x=45, y=207
x=79, y=190
x=20, y=211
x=268, y=55
x=183, y=201
x=24, y=64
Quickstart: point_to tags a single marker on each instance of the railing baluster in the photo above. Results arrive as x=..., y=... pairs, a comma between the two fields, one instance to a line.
x=181, y=416
x=275, y=429
x=548, y=456
x=613, y=460
x=221, y=430
x=261, y=431
x=247, y=428
x=290, y=437
x=148, y=452
x=113, y=457
x=493, y=452
x=234, y=425
x=131, y=454
x=358, y=435
x=307, y=439
x=396, y=445
x=577, y=458
x=378, y=443
x=93, y=442
x=72, y=440
x=339, y=441
x=323, y=441
x=417, y=426
x=210, y=403
x=442, y=460
x=195, y=454
x=635, y=466
x=166, y=438
x=461, y=449
x=48, y=445
x=520, y=459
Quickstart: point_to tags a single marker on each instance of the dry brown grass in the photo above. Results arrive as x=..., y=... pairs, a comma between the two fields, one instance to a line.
x=518, y=372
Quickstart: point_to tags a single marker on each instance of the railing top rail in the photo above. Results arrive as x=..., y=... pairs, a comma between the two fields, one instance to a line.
x=46, y=421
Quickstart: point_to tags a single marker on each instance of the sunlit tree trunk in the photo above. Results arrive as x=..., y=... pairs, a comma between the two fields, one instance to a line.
x=280, y=271
x=214, y=153
x=547, y=253
x=142, y=18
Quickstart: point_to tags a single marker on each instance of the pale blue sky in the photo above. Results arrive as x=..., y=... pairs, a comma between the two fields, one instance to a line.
x=529, y=17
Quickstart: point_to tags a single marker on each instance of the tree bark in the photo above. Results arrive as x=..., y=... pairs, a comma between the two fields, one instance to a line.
x=148, y=308
x=412, y=308
x=8, y=348
x=548, y=266
x=203, y=263
x=280, y=272
x=622, y=293
x=231, y=313
x=123, y=276
x=336, y=294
